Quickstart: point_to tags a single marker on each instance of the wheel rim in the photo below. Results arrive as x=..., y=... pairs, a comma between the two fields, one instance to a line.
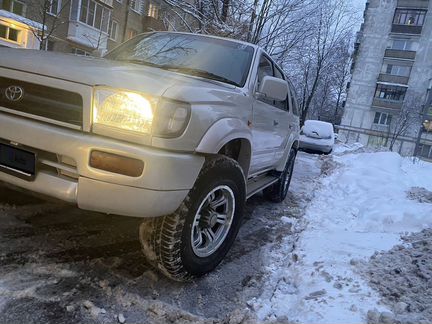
x=212, y=221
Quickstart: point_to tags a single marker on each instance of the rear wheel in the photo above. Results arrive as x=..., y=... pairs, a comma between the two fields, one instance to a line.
x=278, y=191
x=193, y=240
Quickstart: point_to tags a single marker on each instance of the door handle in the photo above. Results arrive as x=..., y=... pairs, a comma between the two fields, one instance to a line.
x=275, y=123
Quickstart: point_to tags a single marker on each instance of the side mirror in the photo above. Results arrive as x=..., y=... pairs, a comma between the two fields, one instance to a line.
x=274, y=88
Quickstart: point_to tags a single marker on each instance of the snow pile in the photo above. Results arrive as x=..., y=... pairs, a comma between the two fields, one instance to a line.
x=403, y=277
x=362, y=207
x=342, y=148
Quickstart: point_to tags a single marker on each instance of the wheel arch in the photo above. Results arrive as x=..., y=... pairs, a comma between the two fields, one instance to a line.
x=230, y=137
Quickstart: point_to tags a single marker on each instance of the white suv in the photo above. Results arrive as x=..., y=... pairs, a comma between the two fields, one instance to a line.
x=176, y=128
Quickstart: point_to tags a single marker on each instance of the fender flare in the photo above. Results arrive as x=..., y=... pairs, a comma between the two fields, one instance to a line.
x=222, y=132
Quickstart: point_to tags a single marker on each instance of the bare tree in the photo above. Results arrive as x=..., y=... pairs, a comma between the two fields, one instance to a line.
x=50, y=14
x=408, y=117
x=334, y=23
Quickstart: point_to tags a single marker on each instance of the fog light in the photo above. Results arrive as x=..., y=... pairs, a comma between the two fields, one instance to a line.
x=116, y=163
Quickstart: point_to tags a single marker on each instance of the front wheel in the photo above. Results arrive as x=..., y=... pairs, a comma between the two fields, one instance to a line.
x=193, y=240
x=278, y=191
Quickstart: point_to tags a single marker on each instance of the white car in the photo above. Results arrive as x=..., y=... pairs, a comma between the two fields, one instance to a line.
x=176, y=128
x=317, y=136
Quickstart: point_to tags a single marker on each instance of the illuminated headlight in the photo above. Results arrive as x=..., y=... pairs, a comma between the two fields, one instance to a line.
x=139, y=113
x=122, y=109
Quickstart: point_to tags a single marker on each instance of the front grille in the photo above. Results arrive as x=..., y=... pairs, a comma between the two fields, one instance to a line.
x=34, y=99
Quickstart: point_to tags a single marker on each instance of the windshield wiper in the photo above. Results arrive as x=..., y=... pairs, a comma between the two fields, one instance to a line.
x=138, y=61
x=198, y=72
x=182, y=69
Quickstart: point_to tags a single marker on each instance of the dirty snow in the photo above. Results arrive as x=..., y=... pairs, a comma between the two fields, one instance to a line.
x=305, y=260
x=362, y=207
x=59, y=264
x=403, y=276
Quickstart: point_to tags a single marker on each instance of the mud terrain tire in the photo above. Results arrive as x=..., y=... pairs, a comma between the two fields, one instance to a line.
x=278, y=191
x=168, y=242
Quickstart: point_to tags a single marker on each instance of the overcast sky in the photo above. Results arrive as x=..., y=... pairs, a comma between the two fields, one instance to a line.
x=359, y=6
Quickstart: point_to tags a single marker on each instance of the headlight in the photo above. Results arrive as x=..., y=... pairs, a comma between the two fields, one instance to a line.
x=138, y=113
x=123, y=109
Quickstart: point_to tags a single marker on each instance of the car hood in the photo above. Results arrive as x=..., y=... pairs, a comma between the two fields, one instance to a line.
x=98, y=71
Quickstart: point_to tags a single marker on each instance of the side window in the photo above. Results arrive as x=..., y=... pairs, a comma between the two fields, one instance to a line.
x=280, y=104
x=294, y=103
x=265, y=67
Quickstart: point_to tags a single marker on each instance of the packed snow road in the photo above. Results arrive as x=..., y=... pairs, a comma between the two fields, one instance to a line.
x=59, y=264
x=350, y=244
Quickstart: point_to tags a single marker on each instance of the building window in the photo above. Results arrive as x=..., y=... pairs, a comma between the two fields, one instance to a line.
x=131, y=33
x=402, y=44
x=113, y=30
x=382, y=119
x=54, y=7
x=425, y=151
x=81, y=52
x=399, y=70
x=17, y=7
x=389, y=92
x=95, y=15
x=410, y=17
x=136, y=5
x=9, y=33
x=376, y=141
x=153, y=11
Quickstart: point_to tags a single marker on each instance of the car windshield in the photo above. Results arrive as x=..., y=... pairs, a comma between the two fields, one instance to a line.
x=207, y=57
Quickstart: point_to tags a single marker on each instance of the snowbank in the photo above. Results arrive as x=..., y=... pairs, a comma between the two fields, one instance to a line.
x=341, y=148
x=362, y=207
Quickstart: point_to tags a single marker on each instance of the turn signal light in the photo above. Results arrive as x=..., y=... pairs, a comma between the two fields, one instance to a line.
x=116, y=163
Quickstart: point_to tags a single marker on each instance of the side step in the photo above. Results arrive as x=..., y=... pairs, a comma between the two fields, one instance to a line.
x=259, y=183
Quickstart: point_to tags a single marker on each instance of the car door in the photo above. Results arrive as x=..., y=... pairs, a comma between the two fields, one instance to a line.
x=283, y=119
x=267, y=137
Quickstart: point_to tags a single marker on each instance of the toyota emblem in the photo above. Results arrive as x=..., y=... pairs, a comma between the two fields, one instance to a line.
x=14, y=93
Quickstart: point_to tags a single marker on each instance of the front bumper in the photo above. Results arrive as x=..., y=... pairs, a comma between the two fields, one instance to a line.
x=165, y=182
x=315, y=145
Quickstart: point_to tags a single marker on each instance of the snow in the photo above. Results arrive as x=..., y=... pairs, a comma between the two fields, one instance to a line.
x=360, y=208
x=18, y=18
x=345, y=148
x=317, y=129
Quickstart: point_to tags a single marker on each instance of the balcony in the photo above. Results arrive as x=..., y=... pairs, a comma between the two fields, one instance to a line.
x=393, y=78
x=87, y=36
x=384, y=103
x=406, y=29
x=380, y=128
x=417, y=4
x=151, y=24
x=400, y=54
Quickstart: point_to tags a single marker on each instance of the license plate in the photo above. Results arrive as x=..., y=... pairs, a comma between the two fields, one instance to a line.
x=17, y=162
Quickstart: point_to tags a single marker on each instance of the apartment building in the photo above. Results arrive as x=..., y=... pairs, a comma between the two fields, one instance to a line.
x=389, y=95
x=85, y=27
